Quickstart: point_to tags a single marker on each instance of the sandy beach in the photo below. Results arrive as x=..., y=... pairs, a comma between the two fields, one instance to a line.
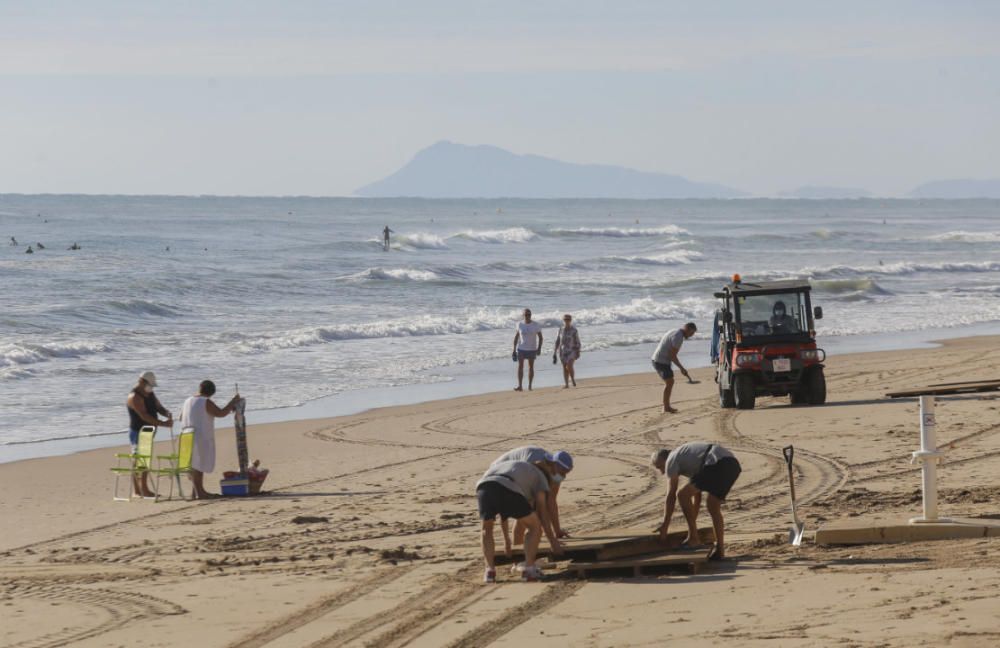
x=368, y=535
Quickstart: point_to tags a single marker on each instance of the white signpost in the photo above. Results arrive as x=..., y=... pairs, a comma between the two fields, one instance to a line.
x=928, y=456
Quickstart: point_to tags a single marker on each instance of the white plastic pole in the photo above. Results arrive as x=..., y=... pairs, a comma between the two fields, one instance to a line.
x=928, y=445
x=928, y=456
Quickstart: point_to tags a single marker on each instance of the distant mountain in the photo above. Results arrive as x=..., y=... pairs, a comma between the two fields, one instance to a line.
x=961, y=188
x=827, y=193
x=448, y=170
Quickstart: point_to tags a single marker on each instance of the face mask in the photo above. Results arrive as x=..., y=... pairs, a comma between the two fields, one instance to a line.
x=148, y=389
x=557, y=478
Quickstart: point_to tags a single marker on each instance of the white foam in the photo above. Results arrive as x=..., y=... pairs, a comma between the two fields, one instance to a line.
x=509, y=235
x=421, y=241
x=620, y=232
x=480, y=319
x=21, y=353
x=967, y=237
x=394, y=274
x=675, y=257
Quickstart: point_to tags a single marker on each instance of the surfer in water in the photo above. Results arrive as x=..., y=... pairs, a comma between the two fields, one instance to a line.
x=13, y=241
x=385, y=238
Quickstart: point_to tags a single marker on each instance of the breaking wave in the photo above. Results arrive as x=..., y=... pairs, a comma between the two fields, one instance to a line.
x=481, y=319
x=619, y=232
x=21, y=353
x=675, y=257
x=394, y=274
x=967, y=237
x=421, y=241
x=509, y=235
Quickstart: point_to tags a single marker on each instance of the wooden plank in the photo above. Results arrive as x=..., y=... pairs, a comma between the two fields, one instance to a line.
x=614, y=543
x=944, y=390
x=638, y=564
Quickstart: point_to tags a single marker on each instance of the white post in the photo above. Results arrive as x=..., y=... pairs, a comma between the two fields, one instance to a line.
x=928, y=456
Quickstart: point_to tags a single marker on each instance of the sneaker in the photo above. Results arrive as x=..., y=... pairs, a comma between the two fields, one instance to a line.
x=490, y=576
x=531, y=574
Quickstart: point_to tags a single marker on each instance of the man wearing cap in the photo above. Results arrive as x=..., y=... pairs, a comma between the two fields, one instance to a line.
x=143, y=406
x=519, y=490
x=559, y=466
x=666, y=355
x=709, y=467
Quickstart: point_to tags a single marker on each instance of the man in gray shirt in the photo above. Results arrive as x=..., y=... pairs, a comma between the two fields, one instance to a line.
x=709, y=467
x=511, y=489
x=560, y=464
x=665, y=355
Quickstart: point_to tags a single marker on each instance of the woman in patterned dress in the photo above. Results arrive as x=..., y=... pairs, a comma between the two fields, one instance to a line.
x=568, y=349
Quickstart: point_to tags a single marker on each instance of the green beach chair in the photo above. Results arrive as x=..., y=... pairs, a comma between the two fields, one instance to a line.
x=139, y=462
x=176, y=464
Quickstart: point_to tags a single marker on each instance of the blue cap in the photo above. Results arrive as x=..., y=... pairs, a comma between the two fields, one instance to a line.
x=563, y=459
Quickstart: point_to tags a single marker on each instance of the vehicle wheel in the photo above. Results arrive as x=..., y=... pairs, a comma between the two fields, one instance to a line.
x=743, y=391
x=726, y=399
x=816, y=387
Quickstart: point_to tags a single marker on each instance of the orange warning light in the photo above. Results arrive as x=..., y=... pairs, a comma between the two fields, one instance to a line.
x=736, y=278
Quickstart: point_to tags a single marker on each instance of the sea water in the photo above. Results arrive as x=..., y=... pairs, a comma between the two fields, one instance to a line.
x=296, y=301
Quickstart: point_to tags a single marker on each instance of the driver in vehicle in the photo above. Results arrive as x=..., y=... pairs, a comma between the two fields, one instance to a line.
x=780, y=321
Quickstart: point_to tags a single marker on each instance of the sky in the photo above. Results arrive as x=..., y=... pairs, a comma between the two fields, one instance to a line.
x=254, y=97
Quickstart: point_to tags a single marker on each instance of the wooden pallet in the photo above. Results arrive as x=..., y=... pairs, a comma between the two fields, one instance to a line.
x=691, y=560
x=611, y=544
x=948, y=388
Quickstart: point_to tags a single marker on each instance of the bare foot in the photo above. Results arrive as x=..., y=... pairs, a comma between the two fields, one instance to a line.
x=669, y=410
x=518, y=389
x=565, y=386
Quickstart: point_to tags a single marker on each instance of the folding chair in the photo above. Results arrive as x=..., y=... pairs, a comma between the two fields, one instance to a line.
x=139, y=462
x=177, y=464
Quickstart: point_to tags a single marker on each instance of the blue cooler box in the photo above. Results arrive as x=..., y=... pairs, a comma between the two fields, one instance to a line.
x=235, y=486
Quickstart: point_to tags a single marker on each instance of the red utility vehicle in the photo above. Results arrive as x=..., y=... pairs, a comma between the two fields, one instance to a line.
x=764, y=343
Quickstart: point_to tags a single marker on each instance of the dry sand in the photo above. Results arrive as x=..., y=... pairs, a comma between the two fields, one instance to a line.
x=369, y=535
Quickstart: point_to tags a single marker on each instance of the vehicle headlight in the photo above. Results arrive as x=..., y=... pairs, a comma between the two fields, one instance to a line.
x=809, y=354
x=747, y=359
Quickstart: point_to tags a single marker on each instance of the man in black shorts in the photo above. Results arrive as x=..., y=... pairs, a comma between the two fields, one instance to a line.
x=519, y=490
x=710, y=468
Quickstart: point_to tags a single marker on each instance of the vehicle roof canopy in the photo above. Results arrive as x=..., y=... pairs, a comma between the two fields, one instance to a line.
x=764, y=287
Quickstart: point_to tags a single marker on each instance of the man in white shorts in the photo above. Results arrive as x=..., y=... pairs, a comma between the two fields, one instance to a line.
x=527, y=346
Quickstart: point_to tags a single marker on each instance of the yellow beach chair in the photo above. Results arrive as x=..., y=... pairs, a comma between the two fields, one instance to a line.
x=139, y=462
x=172, y=466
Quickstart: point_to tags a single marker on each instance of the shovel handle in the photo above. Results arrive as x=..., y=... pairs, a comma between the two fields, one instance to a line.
x=789, y=453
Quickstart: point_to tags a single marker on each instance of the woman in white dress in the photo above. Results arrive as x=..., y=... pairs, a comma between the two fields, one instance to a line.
x=199, y=412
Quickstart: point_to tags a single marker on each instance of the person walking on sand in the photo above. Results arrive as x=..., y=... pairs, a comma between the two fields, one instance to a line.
x=568, y=349
x=665, y=355
x=527, y=346
x=519, y=490
x=385, y=238
x=199, y=412
x=143, y=406
x=557, y=466
x=710, y=468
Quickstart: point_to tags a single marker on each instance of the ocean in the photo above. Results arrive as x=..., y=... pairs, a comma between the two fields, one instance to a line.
x=294, y=299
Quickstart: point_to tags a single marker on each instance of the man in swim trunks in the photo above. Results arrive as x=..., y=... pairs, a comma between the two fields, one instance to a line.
x=527, y=346
x=519, y=490
x=710, y=468
x=665, y=355
x=557, y=466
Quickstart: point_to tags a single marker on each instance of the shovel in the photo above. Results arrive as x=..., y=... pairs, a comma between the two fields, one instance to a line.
x=798, y=527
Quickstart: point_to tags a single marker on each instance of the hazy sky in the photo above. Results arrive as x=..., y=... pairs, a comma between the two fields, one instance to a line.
x=261, y=98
